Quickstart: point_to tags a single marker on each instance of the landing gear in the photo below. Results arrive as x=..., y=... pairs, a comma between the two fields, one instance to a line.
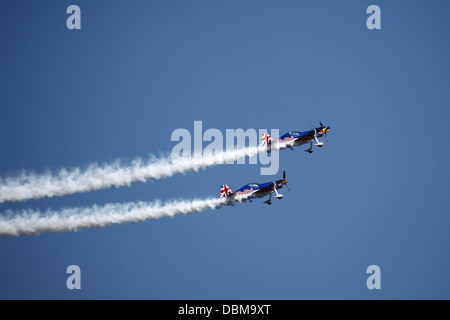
x=269, y=202
x=278, y=196
x=319, y=144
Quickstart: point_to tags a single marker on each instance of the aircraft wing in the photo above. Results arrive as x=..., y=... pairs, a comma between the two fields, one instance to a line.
x=306, y=136
x=265, y=187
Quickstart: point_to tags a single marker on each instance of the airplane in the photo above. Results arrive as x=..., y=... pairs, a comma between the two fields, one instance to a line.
x=295, y=138
x=254, y=190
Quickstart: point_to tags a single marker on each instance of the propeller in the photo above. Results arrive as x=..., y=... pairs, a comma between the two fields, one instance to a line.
x=284, y=178
x=326, y=137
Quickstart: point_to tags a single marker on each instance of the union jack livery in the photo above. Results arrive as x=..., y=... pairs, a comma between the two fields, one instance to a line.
x=254, y=190
x=266, y=140
x=225, y=191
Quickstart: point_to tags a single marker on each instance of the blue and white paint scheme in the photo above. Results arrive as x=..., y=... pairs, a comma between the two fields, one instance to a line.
x=295, y=138
x=254, y=190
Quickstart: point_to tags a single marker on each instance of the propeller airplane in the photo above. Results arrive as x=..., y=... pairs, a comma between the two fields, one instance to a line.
x=294, y=138
x=254, y=190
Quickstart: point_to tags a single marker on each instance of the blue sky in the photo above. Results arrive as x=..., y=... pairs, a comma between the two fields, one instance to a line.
x=376, y=193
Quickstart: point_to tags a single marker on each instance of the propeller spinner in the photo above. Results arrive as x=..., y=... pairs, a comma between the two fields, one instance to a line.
x=326, y=130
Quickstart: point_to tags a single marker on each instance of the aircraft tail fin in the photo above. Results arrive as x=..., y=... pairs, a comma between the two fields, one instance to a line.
x=266, y=140
x=225, y=191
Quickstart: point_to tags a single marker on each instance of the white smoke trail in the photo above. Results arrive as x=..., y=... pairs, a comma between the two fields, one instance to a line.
x=35, y=186
x=34, y=222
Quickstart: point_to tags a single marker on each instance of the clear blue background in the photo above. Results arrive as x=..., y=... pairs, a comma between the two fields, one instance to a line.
x=376, y=193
